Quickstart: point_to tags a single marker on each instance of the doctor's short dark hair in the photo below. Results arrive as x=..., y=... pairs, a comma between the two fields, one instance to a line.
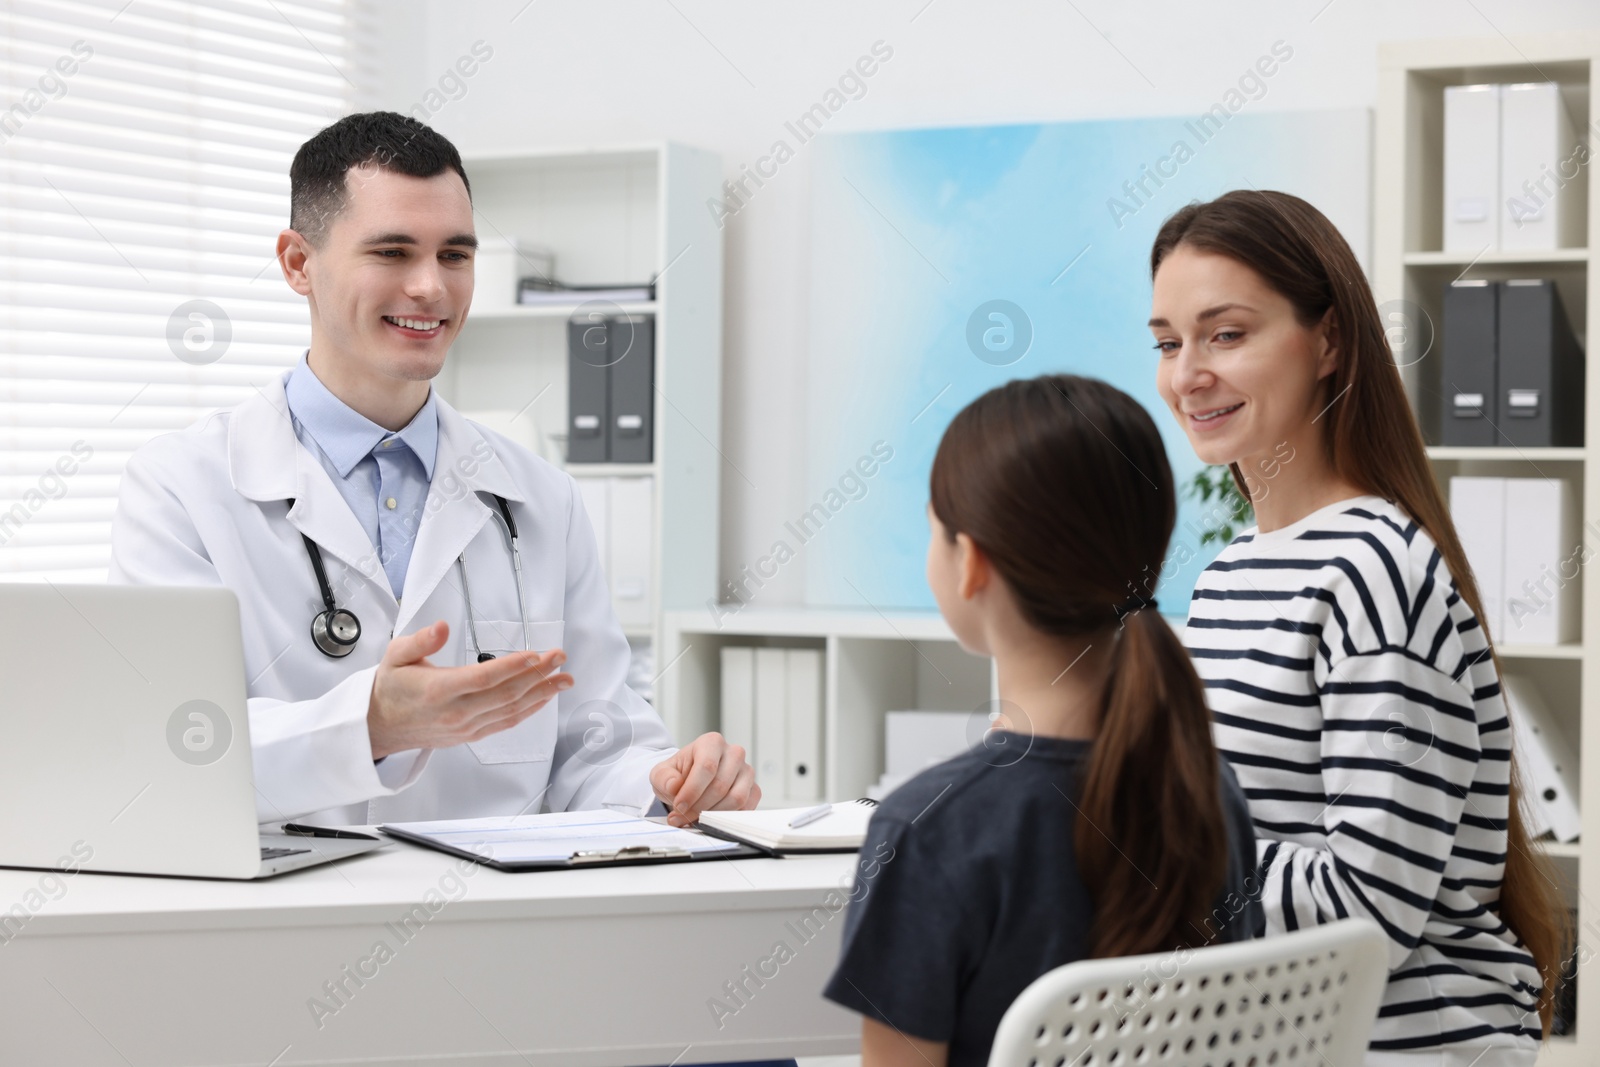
x=385, y=140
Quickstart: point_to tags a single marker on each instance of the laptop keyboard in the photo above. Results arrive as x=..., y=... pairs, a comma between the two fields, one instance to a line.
x=279, y=853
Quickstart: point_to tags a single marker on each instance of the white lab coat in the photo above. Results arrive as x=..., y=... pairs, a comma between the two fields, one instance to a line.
x=209, y=506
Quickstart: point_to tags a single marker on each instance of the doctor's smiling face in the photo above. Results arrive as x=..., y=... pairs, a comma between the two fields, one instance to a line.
x=384, y=256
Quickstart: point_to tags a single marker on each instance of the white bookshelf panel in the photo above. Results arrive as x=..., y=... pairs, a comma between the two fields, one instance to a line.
x=1409, y=263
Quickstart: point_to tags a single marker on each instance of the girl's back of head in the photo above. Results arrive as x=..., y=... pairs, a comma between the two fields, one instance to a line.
x=1063, y=484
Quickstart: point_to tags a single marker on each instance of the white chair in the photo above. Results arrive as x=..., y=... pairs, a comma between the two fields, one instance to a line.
x=1307, y=998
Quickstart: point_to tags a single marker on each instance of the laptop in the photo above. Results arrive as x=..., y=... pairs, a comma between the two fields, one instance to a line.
x=124, y=738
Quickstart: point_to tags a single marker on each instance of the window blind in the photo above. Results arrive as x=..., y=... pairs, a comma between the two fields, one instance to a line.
x=144, y=176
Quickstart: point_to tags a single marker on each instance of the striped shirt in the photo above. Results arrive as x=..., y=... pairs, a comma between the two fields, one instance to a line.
x=1354, y=695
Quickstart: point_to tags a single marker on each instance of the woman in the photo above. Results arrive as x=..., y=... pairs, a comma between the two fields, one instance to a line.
x=1096, y=819
x=1354, y=690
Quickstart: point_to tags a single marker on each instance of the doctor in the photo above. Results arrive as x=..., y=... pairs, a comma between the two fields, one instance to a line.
x=381, y=545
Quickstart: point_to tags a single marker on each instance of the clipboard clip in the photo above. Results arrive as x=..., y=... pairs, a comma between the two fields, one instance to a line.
x=628, y=852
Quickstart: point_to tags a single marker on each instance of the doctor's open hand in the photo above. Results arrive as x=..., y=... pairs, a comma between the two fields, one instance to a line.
x=415, y=704
x=707, y=774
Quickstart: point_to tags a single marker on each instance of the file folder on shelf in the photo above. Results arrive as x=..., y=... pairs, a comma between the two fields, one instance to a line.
x=1468, y=376
x=1540, y=371
x=1542, y=562
x=1547, y=759
x=1471, y=168
x=1520, y=536
x=739, y=699
x=632, y=426
x=1478, y=508
x=772, y=727
x=803, y=710
x=588, y=389
x=621, y=510
x=1541, y=180
x=632, y=520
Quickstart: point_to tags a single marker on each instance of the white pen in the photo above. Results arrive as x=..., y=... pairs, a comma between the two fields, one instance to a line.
x=810, y=815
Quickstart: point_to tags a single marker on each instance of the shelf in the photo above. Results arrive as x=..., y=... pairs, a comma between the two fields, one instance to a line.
x=521, y=312
x=1560, y=850
x=1498, y=259
x=1506, y=454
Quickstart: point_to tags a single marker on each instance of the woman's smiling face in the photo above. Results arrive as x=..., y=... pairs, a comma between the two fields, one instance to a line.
x=1237, y=369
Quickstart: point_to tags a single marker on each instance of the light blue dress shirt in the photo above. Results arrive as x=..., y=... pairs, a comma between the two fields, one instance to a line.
x=383, y=476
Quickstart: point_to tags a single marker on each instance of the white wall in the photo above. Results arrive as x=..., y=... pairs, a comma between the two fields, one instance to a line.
x=725, y=75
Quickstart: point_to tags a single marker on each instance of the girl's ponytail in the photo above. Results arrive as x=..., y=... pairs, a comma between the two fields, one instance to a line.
x=1151, y=842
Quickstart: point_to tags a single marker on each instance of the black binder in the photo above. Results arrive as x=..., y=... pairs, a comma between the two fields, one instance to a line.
x=588, y=388
x=1541, y=372
x=633, y=350
x=610, y=388
x=1468, y=377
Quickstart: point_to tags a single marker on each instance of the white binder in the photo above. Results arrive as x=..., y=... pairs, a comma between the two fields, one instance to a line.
x=621, y=510
x=596, y=496
x=1547, y=760
x=739, y=699
x=804, y=713
x=1471, y=168
x=1478, y=508
x=1540, y=206
x=1541, y=539
x=772, y=725
x=632, y=521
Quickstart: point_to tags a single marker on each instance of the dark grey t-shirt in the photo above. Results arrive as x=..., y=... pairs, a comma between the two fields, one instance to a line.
x=974, y=892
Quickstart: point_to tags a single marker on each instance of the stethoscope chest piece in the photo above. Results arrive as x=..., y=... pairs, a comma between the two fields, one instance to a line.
x=336, y=632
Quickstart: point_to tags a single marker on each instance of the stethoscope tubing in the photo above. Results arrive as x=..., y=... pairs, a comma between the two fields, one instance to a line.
x=335, y=630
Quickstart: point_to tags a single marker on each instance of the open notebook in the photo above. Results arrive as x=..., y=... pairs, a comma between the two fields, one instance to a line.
x=841, y=830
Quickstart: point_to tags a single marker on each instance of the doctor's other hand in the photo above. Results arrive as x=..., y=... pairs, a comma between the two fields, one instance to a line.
x=705, y=775
x=415, y=704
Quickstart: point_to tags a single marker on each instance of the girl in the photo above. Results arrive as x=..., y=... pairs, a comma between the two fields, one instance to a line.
x=1096, y=818
x=1355, y=691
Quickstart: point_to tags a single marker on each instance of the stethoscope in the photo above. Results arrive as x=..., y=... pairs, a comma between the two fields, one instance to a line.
x=336, y=630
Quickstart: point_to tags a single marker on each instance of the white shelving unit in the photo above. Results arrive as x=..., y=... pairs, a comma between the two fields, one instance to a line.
x=874, y=663
x=615, y=215
x=1409, y=264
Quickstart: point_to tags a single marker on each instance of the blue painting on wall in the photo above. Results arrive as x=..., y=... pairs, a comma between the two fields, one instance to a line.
x=945, y=262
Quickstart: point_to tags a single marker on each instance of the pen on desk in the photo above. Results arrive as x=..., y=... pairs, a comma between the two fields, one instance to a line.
x=810, y=815
x=305, y=830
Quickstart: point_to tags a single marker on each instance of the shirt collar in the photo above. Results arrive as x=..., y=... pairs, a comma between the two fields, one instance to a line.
x=345, y=435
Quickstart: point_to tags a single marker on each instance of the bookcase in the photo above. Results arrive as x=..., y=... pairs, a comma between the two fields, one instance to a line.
x=872, y=662
x=1410, y=272
x=611, y=215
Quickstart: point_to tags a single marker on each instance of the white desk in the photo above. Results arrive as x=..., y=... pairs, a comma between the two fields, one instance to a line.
x=597, y=967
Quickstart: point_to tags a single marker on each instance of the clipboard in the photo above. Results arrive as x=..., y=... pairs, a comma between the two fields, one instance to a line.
x=623, y=856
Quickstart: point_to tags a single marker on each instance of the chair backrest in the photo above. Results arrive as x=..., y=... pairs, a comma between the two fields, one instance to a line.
x=1306, y=998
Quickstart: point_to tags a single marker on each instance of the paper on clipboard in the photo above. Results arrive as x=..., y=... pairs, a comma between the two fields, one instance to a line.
x=557, y=836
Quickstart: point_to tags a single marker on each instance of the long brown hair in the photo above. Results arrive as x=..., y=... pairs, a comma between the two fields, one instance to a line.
x=1063, y=484
x=1373, y=442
